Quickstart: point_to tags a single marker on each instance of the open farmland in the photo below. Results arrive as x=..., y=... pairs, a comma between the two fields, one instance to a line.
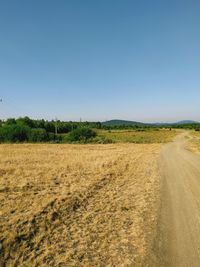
x=148, y=136
x=78, y=205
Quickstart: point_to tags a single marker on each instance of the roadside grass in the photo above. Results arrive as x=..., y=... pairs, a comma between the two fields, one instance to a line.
x=194, y=142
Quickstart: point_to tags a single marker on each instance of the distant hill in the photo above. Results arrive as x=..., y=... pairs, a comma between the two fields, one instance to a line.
x=125, y=122
x=122, y=122
x=176, y=123
x=186, y=122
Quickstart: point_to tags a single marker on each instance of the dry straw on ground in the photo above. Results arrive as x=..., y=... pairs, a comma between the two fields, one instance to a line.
x=78, y=205
x=194, y=142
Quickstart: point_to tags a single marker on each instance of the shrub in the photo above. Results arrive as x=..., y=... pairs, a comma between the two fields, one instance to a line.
x=38, y=135
x=14, y=133
x=82, y=134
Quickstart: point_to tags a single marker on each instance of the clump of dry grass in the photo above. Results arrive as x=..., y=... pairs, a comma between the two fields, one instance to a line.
x=78, y=205
x=194, y=142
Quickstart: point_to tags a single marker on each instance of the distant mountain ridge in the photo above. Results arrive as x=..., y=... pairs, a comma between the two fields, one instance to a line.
x=187, y=122
x=176, y=123
x=126, y=122
x=121, y=122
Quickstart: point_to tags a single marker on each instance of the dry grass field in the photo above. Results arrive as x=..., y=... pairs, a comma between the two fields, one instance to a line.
x=150, y=136
x=78, y=205
x=194, y=142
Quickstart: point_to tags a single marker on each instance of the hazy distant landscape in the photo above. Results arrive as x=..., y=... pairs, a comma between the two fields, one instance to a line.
x=25, y=129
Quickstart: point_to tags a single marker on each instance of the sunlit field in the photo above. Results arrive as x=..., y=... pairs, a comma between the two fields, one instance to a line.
x=141, y=136
x=78, y=205
x=194, y=142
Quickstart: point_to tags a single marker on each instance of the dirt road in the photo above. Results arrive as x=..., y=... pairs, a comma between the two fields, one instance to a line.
x=179, y=233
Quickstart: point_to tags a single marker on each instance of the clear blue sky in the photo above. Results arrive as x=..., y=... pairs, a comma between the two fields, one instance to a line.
x=100, y=59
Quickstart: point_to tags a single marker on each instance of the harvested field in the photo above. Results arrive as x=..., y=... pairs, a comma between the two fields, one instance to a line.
x=78, y=205
x=194, y=142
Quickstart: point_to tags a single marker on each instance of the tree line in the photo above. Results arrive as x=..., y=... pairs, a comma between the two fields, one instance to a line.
x=25, y=129
x=30, y=130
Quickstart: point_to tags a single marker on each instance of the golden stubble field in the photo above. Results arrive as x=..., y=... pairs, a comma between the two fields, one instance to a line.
x=194, y=142
x=78, y=205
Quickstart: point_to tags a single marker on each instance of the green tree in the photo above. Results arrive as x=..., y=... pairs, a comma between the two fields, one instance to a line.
x=10, y=121
x=25, y=121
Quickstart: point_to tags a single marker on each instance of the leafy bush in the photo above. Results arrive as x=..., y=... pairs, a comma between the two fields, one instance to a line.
x=82, y=134
x=55, y=138
x=18, y=133
x=14, y=133
x=38, y=135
